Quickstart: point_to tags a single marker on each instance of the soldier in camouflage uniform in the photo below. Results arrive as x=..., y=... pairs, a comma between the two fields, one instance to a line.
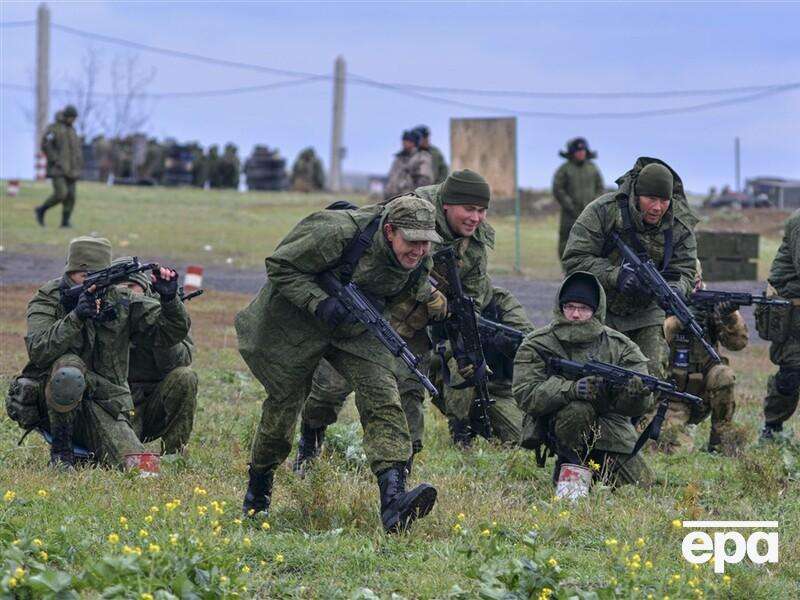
x=584, y=419
x=75, y=383
x=307, y=172
x=163, y=386
x=461, y=204
x=410, y=168
x=64, y=153
x=293, y=323
x=438, y=162
x=651, y=214
x=576, y=183
x=781, y=326
x=697, y=374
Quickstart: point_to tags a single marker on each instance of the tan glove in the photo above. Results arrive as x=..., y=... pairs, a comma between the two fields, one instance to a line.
x=437, y=306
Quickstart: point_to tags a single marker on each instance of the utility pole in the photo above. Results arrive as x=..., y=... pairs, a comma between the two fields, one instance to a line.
x=42, y=82
x=737, y=164
x=337, y=150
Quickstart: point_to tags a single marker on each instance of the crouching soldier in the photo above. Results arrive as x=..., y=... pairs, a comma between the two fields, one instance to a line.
x=75, y=383
x=293, y=323
x=584, y=419
x=696, y=373
x=163, y=385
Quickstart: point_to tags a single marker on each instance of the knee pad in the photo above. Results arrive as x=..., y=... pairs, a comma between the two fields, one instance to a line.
x=65, y=389
x=787, y=381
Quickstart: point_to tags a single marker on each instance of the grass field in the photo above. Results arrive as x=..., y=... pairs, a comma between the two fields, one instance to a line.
x=496, y=531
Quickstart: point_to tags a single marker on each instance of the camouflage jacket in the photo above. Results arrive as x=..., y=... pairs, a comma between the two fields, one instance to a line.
x=409, y=170
x=591, y=249
x=63, y=149
x=730, y=332
x=472, y=252
x=540, y=395
x=439, y=164
x=575, y=185
x=103, y=346
x=784, y=275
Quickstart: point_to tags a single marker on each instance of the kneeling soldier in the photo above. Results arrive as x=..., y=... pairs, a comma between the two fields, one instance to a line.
x=293, y=323
x=584, y=419
x=75, y=383
x=163, y=385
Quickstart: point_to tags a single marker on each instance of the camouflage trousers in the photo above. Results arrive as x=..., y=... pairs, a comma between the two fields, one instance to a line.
x=574, y=426
x=166, y=409
x=783, y=387
x=366, y=366
x=64, y=194
x=329, y=392
x=564, y=227
x=106, y=437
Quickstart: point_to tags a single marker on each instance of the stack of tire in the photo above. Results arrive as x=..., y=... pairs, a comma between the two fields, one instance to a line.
x=266, y=170
x=178, y=166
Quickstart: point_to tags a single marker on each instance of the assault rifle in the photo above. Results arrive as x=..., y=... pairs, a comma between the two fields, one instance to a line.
x=614, y=375
x=184, y=297
x=365, y=313
x=463, y=332
x=712, y=297
x=647, y=273
x=489, y=328
x=109, y=276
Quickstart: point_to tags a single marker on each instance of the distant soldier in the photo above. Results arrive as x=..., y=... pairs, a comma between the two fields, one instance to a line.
x=64, y=153
x=229, y=167
x=163, y=386
x=781, y=326
x=576, y=183
x=307, y=172
x=75, y=384
x=439, y=164
x=410, y=169
x=695, y=373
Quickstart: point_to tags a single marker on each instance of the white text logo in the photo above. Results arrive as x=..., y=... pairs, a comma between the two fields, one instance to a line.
x=699, y=547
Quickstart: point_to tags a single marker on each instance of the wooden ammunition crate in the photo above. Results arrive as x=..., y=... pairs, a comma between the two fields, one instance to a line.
x=727, y=255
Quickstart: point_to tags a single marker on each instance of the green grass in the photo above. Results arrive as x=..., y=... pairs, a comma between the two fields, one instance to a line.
x=324, y=541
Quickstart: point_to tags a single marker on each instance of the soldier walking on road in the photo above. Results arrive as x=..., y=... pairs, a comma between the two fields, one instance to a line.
x=576, y=183
x=64, y=153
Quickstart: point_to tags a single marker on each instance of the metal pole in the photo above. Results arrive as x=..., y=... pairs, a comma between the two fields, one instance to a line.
x=335, y=177
x=737, y=164
x=517, y=208
x=42, y=81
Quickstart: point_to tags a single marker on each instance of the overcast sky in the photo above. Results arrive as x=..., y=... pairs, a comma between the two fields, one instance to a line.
x=594, y=47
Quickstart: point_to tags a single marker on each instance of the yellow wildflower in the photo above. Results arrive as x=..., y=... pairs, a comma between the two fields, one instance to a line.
x=251, y=512
x=552, y=562
x=127, y=549
x=279, y=558
x=138, y=551
x=648, y=564
x=226, y=541
x=593, y=465
x=43, y=555
x=200, y=491
x=9, y=496
x=263, y=563
x=42, y=493
x=154, y=509
x=143, y=533
x=486, y=533
x=677, y=523
x=38, y=543
x=247, y=542
x=202, y=510
x=113, y=538
x=563, y=514
x=12, y=582
x=154, y=548
x=223, y=579
x=640, y=542
x=245, y=569
x=173, y=538
x=146, y=596
x=726, y=579
x=123, y=521
x=15, y=542
x=19, y=572
x=148, y=519
x=265, y=526
x=461, y=516
x=237, y=521
x=611, y=543
x=457, y=528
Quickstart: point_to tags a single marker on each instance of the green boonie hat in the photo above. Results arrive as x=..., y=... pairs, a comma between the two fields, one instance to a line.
x=415, y=218
x=654, y=180
x=141, y=277
x=466, y=187
x=87, y=253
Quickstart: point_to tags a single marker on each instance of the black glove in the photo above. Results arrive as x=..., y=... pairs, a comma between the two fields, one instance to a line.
x=503, y=344
x=628, y=284
x=332, y=312
x=167, y=290
x=588, y=388
x=87, y=308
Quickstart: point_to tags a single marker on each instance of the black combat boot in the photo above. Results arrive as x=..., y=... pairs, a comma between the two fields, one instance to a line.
x=308, y=448
x=40, y=210
x=65, y=221
x=770, y=432
x=61, y=452
x=461, y=432
x=259, y=490
x=400, y=508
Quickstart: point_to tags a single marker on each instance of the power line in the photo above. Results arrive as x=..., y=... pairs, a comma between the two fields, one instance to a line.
x=17, y=23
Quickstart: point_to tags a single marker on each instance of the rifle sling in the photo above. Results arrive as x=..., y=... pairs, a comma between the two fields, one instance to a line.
x=356, y=248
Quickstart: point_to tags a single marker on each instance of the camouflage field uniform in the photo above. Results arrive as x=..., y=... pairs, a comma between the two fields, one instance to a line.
x=438, y=163
x=59, y=339
x=409, y=171
x=591, y=249
x=282, y=341
x=553, y=415
x=575, y=185
x=783, y=388
x=64, y=153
